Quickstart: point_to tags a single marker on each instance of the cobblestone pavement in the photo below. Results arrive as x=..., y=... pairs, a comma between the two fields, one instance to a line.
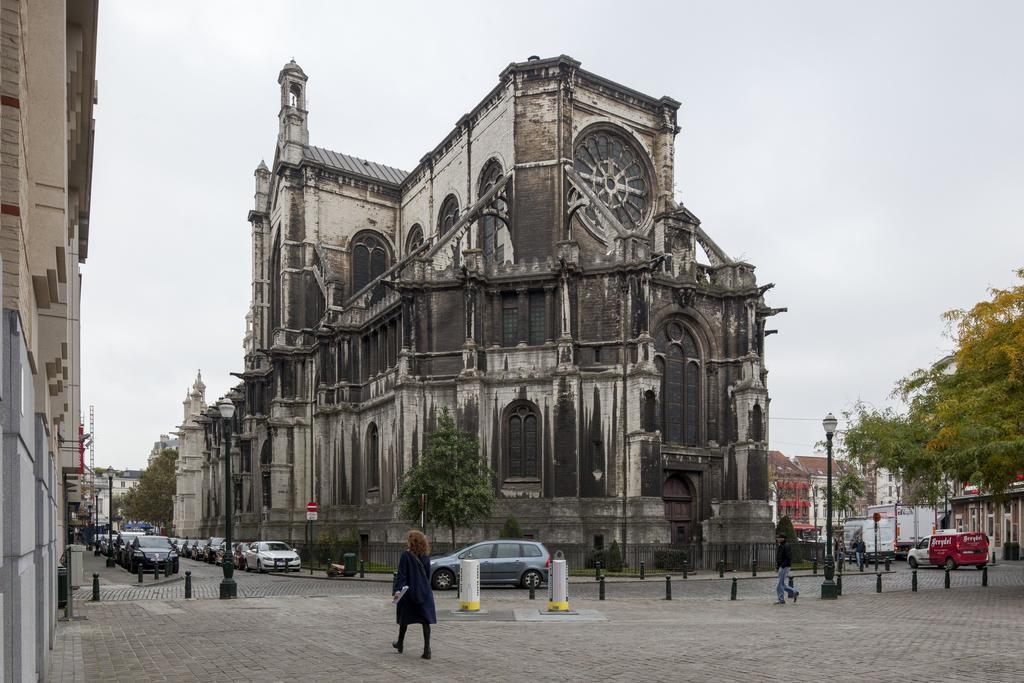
x=965, y=634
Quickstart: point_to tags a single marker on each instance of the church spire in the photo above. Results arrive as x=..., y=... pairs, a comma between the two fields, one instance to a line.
x=293, y=133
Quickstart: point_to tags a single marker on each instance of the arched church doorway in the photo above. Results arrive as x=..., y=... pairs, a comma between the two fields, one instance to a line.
x=677, y=494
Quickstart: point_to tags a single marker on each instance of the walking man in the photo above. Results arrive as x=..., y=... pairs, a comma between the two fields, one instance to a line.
x=783, y=561
x=861, y=552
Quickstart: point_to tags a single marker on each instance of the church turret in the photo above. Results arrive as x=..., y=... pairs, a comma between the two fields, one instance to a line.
x=262, y=175
x=293, y=133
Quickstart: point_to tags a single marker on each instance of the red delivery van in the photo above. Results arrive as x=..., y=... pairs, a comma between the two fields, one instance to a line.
x=957, y=549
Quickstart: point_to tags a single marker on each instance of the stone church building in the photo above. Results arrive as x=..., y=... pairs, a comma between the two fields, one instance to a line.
x=534, y=275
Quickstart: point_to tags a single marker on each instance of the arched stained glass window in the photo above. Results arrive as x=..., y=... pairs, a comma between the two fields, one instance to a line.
x=523, y=442
x=370, y=258
x=495, y=240
x=682, y=370
x=449, y=214
x=414, y=239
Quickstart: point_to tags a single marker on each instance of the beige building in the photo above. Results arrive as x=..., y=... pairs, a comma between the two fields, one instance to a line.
x=47, y=93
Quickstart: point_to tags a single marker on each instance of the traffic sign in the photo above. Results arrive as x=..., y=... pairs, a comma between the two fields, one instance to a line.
x=311, y=507
x=310, y=516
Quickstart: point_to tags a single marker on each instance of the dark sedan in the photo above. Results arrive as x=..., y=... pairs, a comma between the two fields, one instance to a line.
x=150, y=551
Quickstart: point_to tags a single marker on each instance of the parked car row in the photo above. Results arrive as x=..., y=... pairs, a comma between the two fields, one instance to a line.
x=260, y=556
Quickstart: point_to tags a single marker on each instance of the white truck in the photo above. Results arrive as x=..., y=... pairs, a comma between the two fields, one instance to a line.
x=856, y=529
x=913, y=523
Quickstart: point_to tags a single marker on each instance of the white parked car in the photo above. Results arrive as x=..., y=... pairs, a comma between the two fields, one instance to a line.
x=268, y=556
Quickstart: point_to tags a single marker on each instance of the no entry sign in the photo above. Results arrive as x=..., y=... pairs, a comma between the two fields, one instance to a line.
x=311, y=511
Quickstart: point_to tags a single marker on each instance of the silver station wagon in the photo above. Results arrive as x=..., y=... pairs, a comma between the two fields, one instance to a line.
x=510, y=562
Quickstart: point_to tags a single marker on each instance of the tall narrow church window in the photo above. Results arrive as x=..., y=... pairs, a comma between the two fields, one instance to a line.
x=267, y=502
x=756, y=424
x=509, y=321
x=538, y=330
x=373, y=456
x=682, y=370
x=523, y=446
x=494, y=235
x=370, y=257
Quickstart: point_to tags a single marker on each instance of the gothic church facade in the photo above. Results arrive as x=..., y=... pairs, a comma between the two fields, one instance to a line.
x=535, y=276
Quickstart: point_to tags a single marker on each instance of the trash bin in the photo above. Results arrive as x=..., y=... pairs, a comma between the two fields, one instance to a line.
x=351, y=564
x=77, y=553
x=62, y=587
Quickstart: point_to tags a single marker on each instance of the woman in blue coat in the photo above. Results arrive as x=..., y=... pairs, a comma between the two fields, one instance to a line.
x=417, y=605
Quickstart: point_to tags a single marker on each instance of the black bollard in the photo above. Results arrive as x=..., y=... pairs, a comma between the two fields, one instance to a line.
x=721, y=569
x=993, y=558
x=600, y=589
x=140, y=572
x=597, y=570
x=839, y=583
x=188, y=584
x=362, y=569
x=685, y=568
x=913, y=581
x=642, y=570
x=790, y=580
x=668, y=587
x=814, y=566
x=96, y=587
x=947, y=579
x=862, y=567
x=984, y=577
x=732, y=591
x=753, y=567
x=878, y=583
x=887, y=561
x=156, y=570
x=533, y=591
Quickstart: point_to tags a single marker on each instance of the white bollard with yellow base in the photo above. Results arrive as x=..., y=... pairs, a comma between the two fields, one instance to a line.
x=469, y=585
x=558, y=585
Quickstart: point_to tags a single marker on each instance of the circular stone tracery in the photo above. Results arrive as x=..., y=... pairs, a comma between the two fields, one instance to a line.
x=616, y=173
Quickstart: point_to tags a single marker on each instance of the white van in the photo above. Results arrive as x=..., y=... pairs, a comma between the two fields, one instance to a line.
x=858, y=528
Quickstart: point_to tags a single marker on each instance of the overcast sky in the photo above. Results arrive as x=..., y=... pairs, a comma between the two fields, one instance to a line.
x=869, y=161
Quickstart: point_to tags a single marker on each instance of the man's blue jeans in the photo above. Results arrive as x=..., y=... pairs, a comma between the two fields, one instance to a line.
x=782, y=588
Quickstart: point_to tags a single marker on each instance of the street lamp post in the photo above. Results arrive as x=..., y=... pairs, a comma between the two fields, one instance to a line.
x=828, y=587
x=110, y=518
x=228, y=588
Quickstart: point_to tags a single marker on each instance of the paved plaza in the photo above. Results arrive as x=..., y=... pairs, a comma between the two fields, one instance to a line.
x=318, y=630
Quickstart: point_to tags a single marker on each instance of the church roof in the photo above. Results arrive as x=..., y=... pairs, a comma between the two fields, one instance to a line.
x=354, y=165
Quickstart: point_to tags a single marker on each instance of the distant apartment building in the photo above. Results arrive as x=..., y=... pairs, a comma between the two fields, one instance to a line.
x=799, y=490
x=166, y=441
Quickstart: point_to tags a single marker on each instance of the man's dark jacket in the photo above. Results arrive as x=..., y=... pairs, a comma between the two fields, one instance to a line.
x=783, y=556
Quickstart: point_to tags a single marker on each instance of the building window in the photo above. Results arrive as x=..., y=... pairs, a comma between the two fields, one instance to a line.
x=757, y=424
x=266, y=490
x=681, y=377
x=538, y=330
x=522, y=442
x=370, y=258
x=449, y=214
x=373, y=456
x=509, y=321
x=414, y=239
x=494, y=235
x=648, y=411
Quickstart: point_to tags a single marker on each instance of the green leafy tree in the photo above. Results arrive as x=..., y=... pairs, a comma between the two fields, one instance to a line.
x=964, y=419
x=153, y=499
x=785, y=527
x=454, y=478
x=511, y=529
x=847, y=492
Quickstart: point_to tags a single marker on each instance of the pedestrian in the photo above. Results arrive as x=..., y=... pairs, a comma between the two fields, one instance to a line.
x=861, y=551
x=416, y=604
x=840, y=553
x=783, y=561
